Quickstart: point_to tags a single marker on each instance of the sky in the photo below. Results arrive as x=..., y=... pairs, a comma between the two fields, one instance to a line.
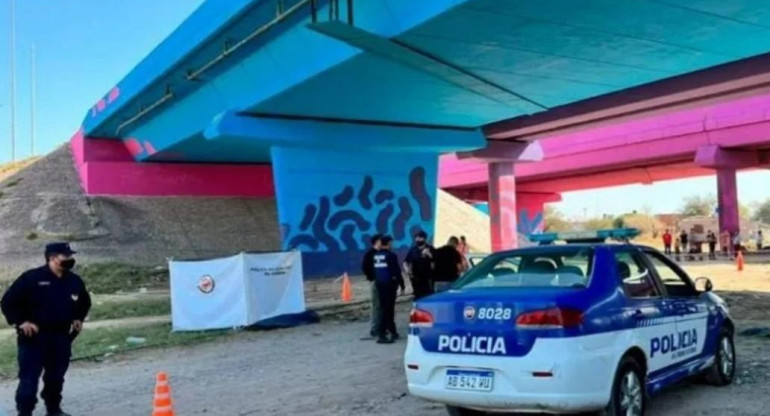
x=661, y=197
x=84, y=47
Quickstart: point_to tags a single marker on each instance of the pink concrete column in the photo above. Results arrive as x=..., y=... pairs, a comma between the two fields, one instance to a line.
x=502, y=206
x=727, y=189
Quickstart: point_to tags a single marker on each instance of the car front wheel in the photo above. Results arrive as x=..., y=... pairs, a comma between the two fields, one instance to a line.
x=628, y=393
x=722, y=372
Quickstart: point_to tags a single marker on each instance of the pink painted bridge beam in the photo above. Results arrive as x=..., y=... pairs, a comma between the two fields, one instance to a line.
x=648, y=143
x=106, y=167
x=497, y=151
x=713, y=156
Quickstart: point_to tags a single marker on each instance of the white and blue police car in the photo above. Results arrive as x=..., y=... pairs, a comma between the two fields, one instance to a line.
x=567, y=328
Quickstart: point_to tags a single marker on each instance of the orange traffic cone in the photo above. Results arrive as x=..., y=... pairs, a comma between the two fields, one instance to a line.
x=739, y=260
x=347, y=290
x=161, y=403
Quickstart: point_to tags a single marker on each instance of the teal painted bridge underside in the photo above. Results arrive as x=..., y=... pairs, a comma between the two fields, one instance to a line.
x=458, y=63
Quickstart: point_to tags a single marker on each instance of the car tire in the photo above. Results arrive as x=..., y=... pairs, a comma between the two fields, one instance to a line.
x=722, y=372
x=459, y=411
x=627, y=390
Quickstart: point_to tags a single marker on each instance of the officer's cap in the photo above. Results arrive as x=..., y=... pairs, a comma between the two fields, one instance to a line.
x=59, y=248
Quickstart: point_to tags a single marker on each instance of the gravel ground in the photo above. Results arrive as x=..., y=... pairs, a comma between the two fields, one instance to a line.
x=325, y=370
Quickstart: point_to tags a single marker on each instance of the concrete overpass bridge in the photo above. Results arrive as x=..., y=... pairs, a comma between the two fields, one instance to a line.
x=709, y=134
x=341, y=108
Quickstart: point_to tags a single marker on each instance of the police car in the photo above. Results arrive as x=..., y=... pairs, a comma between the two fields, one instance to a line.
x=567, y=328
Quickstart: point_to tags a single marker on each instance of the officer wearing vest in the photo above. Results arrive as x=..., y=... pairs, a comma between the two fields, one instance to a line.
x=47, y=306
x=387, y=275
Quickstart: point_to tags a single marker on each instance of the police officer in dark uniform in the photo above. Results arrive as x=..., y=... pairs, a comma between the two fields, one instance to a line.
x=419, y=263
x=47, y=306
x=387, y=275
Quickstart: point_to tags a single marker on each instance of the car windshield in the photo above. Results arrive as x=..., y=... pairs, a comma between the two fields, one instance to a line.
x=545, y=267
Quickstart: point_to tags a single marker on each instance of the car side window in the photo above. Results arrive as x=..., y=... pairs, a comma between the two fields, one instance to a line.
x=635, y=276
x=675, y=281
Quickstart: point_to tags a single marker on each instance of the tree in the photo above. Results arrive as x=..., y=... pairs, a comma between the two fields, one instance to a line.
x=647, y=224
x=744, y=212
x=599, y=223
x=555, y=221
x=762, y=213
x=699, y=206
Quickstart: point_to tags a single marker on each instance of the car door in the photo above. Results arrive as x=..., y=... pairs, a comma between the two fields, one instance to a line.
x=651, y=314
x=692, y=310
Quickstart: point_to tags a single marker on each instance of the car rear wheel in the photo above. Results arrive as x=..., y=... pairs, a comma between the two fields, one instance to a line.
x=628, y=393
x=722, y=372
x=459, y=411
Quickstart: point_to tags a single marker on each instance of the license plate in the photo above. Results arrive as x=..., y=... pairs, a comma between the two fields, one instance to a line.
x=469, y=380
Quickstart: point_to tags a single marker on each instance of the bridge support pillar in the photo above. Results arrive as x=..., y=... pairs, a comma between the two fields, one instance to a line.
x=330, y=202
x=501, y=158
x=726, y=162
x=729, y=212
x=502, y=206
x=339, y=183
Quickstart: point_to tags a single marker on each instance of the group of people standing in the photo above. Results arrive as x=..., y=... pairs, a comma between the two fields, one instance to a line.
x=730, y=243
x=429, y=270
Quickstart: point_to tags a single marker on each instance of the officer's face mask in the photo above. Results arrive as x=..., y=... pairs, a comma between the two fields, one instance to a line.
x=67, y=264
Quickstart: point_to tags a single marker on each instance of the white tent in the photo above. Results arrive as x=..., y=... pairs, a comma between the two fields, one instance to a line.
x=235, y=291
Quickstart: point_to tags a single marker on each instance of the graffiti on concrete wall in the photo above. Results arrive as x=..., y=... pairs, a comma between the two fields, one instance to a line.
x=530, y=221
x=346, y=220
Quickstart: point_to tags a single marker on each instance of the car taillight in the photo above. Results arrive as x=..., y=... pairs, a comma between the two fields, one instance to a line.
x=419, y=317
x=550, y=318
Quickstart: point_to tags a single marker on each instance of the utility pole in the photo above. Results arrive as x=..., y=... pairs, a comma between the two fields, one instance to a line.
x=13, y=80
x=33, y=93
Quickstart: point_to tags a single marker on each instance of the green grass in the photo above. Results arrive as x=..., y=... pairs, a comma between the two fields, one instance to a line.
x=96, y=343
x=130, y=309
x=125, y=309
x=32, y=236
x=109, y=278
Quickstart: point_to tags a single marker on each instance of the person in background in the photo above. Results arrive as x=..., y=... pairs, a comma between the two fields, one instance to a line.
x=725, y=242
x=737, y=242
x=462, y=247
x=388, y=278
x=760, y=240
x=449, y=264
x=667, y=242
x=367, y=267
x=677, y=248
x=47, y=306
x=684, y=241
x=419, y=265
x=711, y=238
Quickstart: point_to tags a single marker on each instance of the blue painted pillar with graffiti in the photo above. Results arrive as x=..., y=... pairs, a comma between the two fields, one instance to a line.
x=331, y=202
x=339, y=183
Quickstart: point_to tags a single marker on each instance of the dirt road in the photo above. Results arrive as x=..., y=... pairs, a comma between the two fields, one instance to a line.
x=325, y=370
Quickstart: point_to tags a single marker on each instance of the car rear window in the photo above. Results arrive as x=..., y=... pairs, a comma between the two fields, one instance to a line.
x=557, y=267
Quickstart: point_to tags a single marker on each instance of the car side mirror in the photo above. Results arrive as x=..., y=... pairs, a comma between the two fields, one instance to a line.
x=703, y=284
